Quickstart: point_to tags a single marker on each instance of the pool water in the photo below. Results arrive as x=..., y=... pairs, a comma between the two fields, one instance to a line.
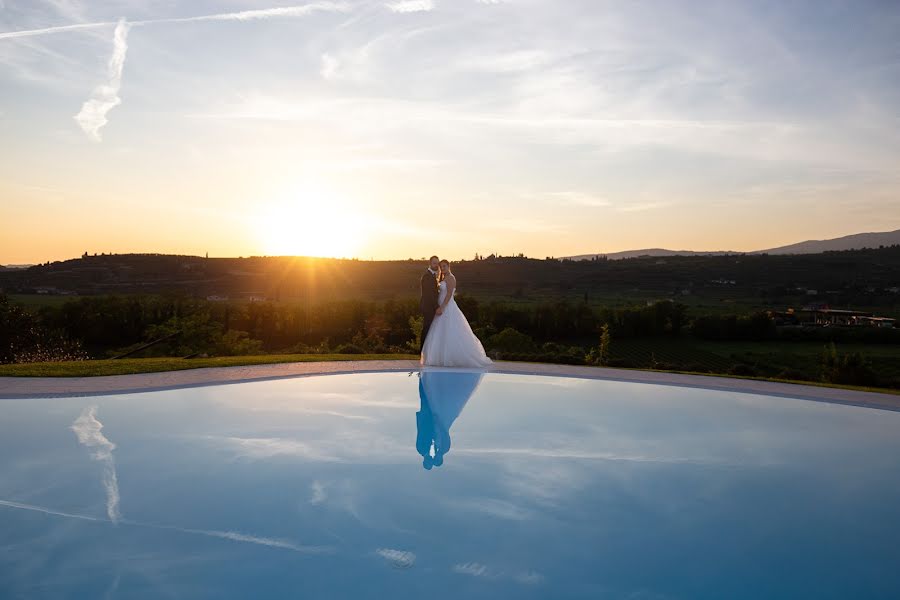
x=452, y=485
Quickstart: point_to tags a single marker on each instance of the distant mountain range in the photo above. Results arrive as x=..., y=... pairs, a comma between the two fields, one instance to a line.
x=848, y=242
x=15, y=266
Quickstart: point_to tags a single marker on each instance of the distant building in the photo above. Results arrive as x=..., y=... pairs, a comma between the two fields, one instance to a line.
x=833, y=317
x=885, y=322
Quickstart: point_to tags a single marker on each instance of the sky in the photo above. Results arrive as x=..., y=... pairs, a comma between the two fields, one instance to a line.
x=405, y=128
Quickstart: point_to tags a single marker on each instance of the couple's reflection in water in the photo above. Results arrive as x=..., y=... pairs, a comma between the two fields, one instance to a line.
x=442, y=397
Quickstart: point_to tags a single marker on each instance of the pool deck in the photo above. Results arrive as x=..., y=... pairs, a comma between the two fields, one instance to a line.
x=46, y=387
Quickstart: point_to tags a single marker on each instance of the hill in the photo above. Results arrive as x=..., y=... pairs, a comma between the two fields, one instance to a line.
x=848, y=242
x=856, y=277
x=651, y=252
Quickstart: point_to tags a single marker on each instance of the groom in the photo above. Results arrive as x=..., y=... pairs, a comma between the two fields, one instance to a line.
x=429, y=299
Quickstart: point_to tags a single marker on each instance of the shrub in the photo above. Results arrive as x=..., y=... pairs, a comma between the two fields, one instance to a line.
x=237, y=343
x=622, y=363
x=350, y=349
x=600, y=354
x=416, y=324
x=743, y=370
x=24, y=339
x=793, y=374
x=510, y=340
x=850, y=369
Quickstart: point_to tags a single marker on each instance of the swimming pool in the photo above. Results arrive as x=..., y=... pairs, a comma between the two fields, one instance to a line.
x=453, y=485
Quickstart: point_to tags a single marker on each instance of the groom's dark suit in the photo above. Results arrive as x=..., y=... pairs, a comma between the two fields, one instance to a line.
x=429, y=300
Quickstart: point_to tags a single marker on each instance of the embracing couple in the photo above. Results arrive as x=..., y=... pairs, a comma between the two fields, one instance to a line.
x=447, y=338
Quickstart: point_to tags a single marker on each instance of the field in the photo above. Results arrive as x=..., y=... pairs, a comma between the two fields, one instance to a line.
x=35, y=301
x=789, y=359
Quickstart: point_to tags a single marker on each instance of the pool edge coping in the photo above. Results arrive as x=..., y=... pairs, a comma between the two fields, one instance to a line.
x=67, y=387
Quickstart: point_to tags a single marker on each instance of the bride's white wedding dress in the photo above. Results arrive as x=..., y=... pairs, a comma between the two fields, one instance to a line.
x=450, y=341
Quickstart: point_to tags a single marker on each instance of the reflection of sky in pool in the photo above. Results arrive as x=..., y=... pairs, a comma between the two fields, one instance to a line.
x=551, y=488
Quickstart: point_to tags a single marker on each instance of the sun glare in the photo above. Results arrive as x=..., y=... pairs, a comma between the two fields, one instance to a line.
x=310, y=221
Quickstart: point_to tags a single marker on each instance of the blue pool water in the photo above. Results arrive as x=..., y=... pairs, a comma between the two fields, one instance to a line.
x=456, y=486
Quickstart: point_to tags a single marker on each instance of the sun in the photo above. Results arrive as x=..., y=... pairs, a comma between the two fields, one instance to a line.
x=310, y=221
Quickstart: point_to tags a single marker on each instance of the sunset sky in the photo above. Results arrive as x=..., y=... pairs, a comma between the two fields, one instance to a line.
x=409, y=127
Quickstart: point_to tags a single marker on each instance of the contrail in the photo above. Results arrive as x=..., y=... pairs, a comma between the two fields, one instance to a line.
x=87, y=429
x=262, y=13
x=92, y=116
x=234, y=536
x=244, y=15
x=48, y=511
x=5, y=35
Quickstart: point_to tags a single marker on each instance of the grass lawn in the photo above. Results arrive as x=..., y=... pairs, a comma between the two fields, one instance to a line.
x=127, y=366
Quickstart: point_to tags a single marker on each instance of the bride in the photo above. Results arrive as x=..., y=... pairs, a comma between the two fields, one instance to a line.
x=450, y=341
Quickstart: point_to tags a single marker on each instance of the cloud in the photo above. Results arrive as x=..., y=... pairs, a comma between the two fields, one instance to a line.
x=88, y=430
x=92, y=116
x=410, y=6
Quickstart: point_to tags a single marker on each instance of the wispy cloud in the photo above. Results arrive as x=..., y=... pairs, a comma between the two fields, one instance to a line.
x=577, y=198
x=474, y=569
x=319, y=494
x=92, y=116
x=410, y=6
x=88, y=430
x=260, y=448
x=339, y=449
x=642, y=206
x=493, y=507
x=330, y=65
x=471, y=568
x=400, y=559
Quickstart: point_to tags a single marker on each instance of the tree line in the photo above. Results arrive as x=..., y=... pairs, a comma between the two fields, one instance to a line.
x=560, y=331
